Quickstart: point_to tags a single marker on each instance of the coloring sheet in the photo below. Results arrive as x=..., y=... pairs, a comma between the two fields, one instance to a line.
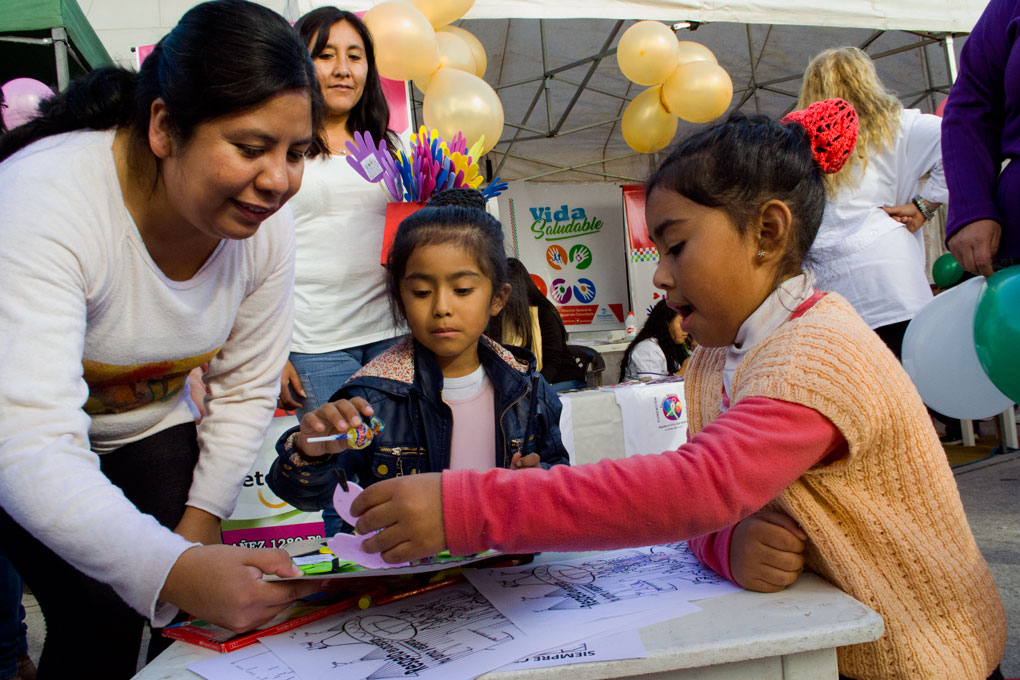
x=250, y=663
x=619, y=645
x=258, y=663
x=451, y=633
x=658, y=581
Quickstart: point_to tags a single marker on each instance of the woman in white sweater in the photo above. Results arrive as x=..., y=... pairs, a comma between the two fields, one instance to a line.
x=143, y=236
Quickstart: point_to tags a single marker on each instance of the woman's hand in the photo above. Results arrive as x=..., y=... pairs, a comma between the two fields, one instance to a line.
x=767, y=551
x=409, y=510
x=519, y=462
x=908, y=215
x=199, y=526
x=290, y=384
x=332, y=418
x=223, y=584
x=975, y=244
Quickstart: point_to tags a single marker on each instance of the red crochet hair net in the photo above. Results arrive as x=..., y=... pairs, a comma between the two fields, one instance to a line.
x=832, y=128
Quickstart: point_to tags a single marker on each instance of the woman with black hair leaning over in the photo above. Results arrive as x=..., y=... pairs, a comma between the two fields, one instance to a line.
x=143, y=236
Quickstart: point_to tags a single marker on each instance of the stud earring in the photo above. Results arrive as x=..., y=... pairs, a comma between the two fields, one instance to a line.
x=761, y=252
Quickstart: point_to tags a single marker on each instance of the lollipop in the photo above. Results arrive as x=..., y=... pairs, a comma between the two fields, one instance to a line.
x=357, y=437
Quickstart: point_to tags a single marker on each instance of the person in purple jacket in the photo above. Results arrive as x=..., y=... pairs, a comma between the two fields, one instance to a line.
x=980, y=130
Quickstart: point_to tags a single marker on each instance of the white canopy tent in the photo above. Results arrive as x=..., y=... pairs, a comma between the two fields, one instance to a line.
x=555, y=69
x=554, y=64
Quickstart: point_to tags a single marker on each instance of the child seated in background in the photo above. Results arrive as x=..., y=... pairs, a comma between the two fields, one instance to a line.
x=661, y=347
x=530, y=320
x=793, y=403
x=448, y=397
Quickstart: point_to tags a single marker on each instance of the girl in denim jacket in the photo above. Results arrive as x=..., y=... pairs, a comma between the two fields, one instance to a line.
x=449, y=397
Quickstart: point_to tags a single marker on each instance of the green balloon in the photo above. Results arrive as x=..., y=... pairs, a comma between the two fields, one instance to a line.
x=997, y=331
x=946, y=271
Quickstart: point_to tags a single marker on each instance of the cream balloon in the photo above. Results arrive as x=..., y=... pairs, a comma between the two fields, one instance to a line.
x=647, y=52
x=647, y=126
x=692, y=51
x=454, y=52
x=698, y=91
x=477, y=49
x=459, y=101
x=405, y=43
x=442, y=12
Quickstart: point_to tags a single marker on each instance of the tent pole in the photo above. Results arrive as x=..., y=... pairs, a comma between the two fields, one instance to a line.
x=947, y=44
x=60, y=55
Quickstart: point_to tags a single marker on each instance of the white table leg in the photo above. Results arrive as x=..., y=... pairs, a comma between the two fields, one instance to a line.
x=1007, y=427
x=819, y=664
x=967, y=428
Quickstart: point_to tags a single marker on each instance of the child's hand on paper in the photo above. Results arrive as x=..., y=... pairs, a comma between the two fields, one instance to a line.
x=767, y=551
x=331, y=418
x=519, y=462
x=223, y=584
x=409, y=510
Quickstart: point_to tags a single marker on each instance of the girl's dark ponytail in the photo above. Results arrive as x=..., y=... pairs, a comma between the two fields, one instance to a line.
x=102, y=99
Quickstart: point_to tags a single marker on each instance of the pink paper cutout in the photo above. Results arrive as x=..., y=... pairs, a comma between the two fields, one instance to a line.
x=347, y=547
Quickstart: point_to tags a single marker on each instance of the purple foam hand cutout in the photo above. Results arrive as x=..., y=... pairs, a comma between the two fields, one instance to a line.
x=347, y=547
x=365, y=157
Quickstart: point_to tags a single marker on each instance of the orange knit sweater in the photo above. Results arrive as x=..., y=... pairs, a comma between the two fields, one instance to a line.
x=885, y=524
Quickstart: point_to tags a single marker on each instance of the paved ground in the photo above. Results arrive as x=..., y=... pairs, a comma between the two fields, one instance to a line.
x=991, y=493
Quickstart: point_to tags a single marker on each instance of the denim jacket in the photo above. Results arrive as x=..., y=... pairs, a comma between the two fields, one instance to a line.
x=404, y=387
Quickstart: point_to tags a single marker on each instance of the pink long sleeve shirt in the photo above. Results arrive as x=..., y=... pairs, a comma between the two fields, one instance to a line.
x=729, y=470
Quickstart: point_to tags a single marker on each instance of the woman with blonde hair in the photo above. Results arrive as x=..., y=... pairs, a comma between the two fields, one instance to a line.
x=870, y=247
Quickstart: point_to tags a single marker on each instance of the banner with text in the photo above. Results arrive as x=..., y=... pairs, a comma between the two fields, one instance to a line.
x=571, y=239
x=642, y=257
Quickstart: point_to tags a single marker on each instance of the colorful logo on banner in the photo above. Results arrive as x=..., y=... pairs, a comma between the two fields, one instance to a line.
x=584, y=290
x=672, y=408
x=581, y=256
x=556, y=256
x=540, y=283
x=563, y=223
x=560, y=291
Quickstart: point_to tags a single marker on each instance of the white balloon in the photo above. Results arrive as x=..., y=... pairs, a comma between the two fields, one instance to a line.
x=939, y=356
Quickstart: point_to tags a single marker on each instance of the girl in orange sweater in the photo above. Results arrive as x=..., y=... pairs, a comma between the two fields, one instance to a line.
x=793, y=403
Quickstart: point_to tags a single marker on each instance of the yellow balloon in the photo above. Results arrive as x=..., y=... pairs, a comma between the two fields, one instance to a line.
x=442, y=12
x=647, y=126
x=405, y=44
x=462, y=101
x=698, y=91
x=477, y=49
x=647, y=52
x=453, y=53
x=692, y=51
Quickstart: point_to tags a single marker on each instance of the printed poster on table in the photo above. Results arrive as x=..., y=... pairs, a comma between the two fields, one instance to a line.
x=262, y=519
x=571, y=239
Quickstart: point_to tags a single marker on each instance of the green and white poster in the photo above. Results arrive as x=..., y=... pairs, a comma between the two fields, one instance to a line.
x=571, y=239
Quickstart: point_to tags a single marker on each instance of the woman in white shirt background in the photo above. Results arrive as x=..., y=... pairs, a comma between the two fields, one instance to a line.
x=870, y=247
x=342, y=317
x=660, y=348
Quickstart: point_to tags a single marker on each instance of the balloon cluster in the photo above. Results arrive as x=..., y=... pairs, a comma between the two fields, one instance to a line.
x=960, y=349
x=22, y=97
x=687, y=82
x=431, y=166
x=413, y=41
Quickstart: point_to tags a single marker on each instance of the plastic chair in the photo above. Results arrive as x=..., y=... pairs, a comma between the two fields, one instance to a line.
x=592, y=363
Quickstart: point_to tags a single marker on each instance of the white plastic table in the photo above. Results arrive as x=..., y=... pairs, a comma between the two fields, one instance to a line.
x=791, y=635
